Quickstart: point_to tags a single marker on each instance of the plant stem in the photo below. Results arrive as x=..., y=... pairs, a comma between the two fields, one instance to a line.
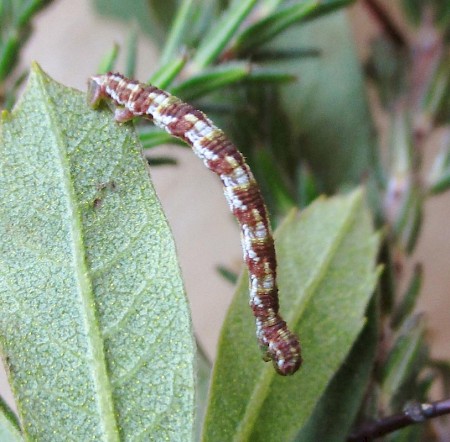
x=413, y=413
x=384, y=19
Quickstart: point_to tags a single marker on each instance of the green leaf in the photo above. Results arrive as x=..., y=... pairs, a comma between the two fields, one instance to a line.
x=108, y=62
x=94, y=326
x=436, y=106
x=131, y=52
x=307, y=187
x=162, y=12
x=11, y=93
x=29, y=8
x=228, y=274
x=267, y=28
x=326, y=274
x=222, y=32
x=416, y=9
x=328, y=109
x=167, y=72
x=336, y=411
x=9, y=53
x=404, y=360
x=210, y=80
x=413, y=10
x=409, y=211
x=9, y=427
x=179, y=28
x=269, y=76
x=274, y=184
x=387, y=287
x=409, y=298
x=155, y=137
x=15, y=25
x=439, y=175
x=285, y=54
x=160, y=161
x=442, y=15
x=387, y=67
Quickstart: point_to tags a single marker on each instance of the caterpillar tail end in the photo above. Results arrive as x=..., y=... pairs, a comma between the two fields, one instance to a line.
x=288, y=368
x=286, y=359
x=286, y=355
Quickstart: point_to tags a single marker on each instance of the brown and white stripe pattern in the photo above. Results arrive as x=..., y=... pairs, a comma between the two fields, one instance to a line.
x=241, y=191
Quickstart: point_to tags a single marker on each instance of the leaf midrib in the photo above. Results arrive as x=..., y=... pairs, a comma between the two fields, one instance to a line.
x=256, y=400
x=98, y=363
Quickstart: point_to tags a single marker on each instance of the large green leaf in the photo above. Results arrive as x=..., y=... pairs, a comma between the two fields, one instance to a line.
x=328, y=107
x=94, y=323
x=336, y=411
x=326, y=273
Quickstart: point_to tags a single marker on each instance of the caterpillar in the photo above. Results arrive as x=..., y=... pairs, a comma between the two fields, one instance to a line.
x=133, y=99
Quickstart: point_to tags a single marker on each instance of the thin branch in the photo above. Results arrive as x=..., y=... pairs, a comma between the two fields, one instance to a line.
x=427, y=51
x=384, y=19
x=413, y=413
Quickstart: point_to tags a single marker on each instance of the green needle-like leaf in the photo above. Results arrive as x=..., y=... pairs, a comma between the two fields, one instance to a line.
x=167, y=72
x=413, y=9
x=9, y=52
x=266, y=29
x=409, y=299
x=211, y=80
x=222, y=32
x=404, y=358
x=161, y=161
x=108, y=62
x=439, y=177
x=326, y=274
x=272, y=25
x=155, y=137
x=227, y=274
x=29, y=8
x=131, y=52
x=270, y=76
x=180, y=26
x=94, y=323
x=218, y=77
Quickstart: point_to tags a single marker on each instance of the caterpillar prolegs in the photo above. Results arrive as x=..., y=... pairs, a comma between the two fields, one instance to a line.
x=210, y=144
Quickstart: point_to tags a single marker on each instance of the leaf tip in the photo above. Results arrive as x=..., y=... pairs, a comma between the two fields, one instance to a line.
x=36, y=71
x=358, y=194
x=36, y=68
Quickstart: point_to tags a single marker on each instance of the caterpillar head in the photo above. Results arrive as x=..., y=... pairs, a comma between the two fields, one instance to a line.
x=96, y=90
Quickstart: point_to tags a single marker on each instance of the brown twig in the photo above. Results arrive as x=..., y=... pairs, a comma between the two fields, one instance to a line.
x=384, y=19
x=413, y=413
x=426, y=53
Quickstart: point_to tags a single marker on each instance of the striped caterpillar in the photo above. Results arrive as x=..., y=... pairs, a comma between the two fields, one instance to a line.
x=210, y=144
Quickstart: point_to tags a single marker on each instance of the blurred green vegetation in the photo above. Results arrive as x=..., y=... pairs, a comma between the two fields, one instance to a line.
x=283, y=79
